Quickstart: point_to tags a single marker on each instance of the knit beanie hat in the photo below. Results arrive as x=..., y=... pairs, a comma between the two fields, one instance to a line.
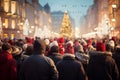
x=39, y=46
x=61, y=40
x=100, y=46
x=69, y=47
x=54, y=43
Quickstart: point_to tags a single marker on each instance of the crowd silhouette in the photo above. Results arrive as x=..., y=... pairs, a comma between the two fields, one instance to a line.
x=60, y=59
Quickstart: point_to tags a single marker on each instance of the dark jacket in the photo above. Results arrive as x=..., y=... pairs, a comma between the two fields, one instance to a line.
x=38, y=67
x=116, y=56
x=70, y=69
x=7, y=66
x=56, y=57
x=102, y=66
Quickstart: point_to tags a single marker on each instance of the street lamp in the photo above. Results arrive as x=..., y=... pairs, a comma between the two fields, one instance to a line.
x=113, y=20
x=114, y=6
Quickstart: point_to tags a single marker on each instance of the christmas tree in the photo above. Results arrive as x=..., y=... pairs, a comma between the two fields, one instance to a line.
x=66, y=29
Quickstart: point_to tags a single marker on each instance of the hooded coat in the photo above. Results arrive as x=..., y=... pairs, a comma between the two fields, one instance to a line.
x=38, y=66
x=70, y=69
x=102, y=66
x=116, y=56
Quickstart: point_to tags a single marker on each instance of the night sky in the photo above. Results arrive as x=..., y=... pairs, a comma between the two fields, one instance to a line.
x=76, y=8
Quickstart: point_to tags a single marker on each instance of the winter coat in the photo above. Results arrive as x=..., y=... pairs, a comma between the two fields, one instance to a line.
x=38, y=67
x=7, y=66
x=56, y=57
x=70, y=69
x=102, y=66
x=116, y=57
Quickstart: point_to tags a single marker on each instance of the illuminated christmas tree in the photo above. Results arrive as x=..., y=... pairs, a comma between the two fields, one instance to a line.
x=66, y=29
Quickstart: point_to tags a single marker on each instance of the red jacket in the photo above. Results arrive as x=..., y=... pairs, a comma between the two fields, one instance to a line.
x=7, y=67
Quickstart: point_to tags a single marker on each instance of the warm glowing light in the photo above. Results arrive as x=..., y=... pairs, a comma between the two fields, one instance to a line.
x=6, y=23
x=6, y=5
x=5, y=35
x=3, y=24
x=21, y=23
x=32, y=27
x=30, y=31
x=112, y=28
x=13, y=24
x=18, y=31
x=13, y=7
x=26, y=27
x=113, y=20
x=114, y=6
x=12, y=36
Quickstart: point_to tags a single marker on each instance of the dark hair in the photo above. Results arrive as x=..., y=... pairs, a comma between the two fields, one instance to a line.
x=108, y=47
x=6, y=46
x=54, y=49
x=29, y=50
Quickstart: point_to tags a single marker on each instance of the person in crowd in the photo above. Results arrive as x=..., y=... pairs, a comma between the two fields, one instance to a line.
x=109, y=48
x=69, y=68
x=8, y=66
x=47, y=42
x=78, y=47
x=16, y=53
x=27, y=52
x=80, y=54
x=116, y=56
x=38, y=66
x=112, y=45
x=101, y=65
x=61, y=42
x=54, y=52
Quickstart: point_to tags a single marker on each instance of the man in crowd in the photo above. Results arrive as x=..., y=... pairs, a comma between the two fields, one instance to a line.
x=38, y=66
x=7, y=63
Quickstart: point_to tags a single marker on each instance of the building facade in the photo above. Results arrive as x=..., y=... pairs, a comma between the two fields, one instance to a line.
x=105, y=15
x=14, y=13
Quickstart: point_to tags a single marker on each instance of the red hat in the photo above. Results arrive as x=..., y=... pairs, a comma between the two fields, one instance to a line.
x=100, y=46
x=69, y=47
x=61, y=40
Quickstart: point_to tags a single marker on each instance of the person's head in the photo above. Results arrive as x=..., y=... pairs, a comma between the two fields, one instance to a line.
x=100, y=46
x=54, y=49
x=69, y=47
x=7, y=47
x=108, y=47
x=29, y=50
x=39, y=46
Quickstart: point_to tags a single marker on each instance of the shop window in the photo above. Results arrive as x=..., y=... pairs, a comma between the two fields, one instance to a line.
x=12, y=36
x=5, y=35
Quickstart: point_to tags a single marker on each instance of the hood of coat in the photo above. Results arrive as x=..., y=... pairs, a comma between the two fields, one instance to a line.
x=68, y=56
x=96, y=53
x=99, y=57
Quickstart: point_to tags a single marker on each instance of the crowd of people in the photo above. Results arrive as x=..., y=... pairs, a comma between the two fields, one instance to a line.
x=60, y=59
